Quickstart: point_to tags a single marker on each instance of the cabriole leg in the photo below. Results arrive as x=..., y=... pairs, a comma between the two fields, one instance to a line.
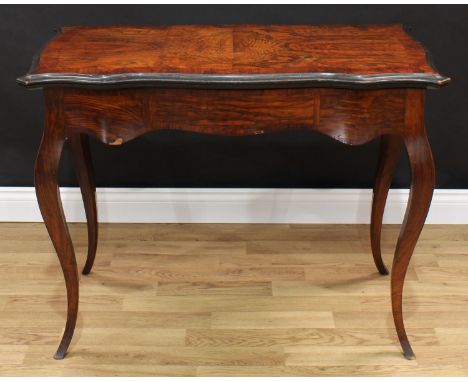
x=388, y=156
x=48, y=196
x=79, y=144
x=422, y=187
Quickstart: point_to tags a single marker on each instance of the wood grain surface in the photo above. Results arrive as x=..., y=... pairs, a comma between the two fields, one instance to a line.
x=116, y=116
x=81, y=54
x=234, y=49
x=298, y=300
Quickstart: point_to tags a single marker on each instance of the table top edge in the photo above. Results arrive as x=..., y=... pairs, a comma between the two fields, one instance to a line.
x=236, y=80
x=190, y=80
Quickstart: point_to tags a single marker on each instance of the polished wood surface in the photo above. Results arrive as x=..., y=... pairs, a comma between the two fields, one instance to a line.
x=236, y=50
x=117, y=116
x=233, y=299
x=346, y=114
x=388, y=156
x=81, y=155
x=422, y=187
x=50, y=204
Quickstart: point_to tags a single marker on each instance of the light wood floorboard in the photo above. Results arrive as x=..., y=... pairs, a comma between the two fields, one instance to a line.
x=233, y=300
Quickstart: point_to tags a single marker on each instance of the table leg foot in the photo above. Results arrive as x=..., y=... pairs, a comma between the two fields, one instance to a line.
x=79, y=145
x=63, y=347
x=388, y=155
x=407, y=350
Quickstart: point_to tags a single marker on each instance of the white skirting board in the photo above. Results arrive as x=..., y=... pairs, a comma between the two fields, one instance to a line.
x=239, y=205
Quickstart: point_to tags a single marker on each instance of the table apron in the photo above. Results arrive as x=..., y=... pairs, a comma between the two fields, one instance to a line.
x=120, y=115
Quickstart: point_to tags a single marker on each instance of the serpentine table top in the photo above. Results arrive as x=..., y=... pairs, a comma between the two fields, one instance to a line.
x=234, y=56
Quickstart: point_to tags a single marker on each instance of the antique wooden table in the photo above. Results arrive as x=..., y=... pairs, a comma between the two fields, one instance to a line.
x=352, y=83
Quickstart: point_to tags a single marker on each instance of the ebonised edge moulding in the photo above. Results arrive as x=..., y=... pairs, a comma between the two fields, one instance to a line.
x=352, y=83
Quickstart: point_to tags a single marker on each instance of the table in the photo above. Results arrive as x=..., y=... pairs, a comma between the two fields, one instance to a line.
x=351, y=83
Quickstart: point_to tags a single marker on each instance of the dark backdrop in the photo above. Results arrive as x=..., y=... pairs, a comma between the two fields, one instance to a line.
x=286, y=159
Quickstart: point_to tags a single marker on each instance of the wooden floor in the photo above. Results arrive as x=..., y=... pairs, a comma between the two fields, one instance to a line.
x=225, y=300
